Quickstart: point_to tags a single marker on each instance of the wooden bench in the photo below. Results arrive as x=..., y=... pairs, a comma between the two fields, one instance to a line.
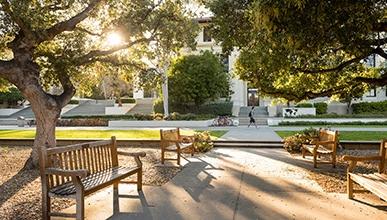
x=76, y=171
x=172, y=141
x=374, y=182
x=326, y=144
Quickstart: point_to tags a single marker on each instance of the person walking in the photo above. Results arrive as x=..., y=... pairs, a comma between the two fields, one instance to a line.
x=251, y=116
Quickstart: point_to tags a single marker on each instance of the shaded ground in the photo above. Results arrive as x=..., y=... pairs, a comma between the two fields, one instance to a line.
x=237, y=184
x=335, y=179
x=20, y=196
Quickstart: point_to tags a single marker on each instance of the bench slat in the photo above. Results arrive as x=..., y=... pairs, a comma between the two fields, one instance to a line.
x=374, y=183
x=94, y=181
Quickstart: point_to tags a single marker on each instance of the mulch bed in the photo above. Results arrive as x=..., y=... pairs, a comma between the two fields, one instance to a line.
x=335, y=179
x=20, y=196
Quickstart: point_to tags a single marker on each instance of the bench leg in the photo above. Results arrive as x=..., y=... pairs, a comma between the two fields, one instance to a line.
x=349, y=187
x=80, y=207
x=314, y=159
x=303, y=152
x=116, y=202
x=178, y=157
x=333, y=161
x=139, y=180
x=46, y=206
x=162, y=156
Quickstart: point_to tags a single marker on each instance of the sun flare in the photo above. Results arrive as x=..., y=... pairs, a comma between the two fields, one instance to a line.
x=114, y=39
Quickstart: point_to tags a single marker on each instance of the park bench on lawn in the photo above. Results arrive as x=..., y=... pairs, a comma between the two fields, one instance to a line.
x=172, y=141
x=75, y=171
x=374, y=182
x=326, y=144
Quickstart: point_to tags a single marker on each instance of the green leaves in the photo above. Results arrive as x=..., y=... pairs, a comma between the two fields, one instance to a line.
x=302, y=49
x=197, y=79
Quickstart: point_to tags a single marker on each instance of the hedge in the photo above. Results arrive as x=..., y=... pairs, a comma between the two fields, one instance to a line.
x=144, y=117
x=216, y=108
x=333, y=115
x=307, y=123
x=304, y=105
x=370, y=107
x=321, y=107
x=127, y=100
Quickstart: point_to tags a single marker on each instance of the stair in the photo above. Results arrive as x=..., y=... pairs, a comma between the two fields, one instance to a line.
x=91, y=107
x=143, y=106
x=260, y=115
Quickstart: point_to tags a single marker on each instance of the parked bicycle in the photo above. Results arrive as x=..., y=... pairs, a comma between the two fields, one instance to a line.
x=223, y=121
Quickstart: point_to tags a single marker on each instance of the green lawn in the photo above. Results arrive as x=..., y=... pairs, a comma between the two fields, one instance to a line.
x=99, y=134
x=349, y=135
x=333, y=125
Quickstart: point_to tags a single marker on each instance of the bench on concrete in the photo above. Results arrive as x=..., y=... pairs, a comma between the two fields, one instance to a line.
x=374, y=182
x=326, y=144
x=75, y=171
x=172, y=141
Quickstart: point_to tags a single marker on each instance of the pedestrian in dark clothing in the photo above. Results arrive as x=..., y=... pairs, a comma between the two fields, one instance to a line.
x=251, y=116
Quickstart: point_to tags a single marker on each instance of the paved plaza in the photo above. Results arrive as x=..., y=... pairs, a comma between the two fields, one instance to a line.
x=236, y=183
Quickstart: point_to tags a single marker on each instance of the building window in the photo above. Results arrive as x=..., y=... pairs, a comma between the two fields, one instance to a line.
x=225, y=61
x=371, y=92
x=206, y=34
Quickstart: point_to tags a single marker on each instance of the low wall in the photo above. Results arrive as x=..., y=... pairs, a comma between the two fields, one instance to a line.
x=160, y=123
x=293, y=112
x=276, y=121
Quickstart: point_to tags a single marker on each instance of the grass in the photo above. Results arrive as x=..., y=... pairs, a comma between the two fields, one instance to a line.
x=349, y=135
x=99, y=134
x=333, y=125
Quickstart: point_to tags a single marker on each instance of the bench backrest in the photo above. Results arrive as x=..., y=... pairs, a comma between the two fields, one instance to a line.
x=92, y=156
x=327, y=135
x=169, y=134
x=383, y=155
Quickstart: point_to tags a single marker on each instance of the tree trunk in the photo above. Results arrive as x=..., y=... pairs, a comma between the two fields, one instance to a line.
x=47, y=112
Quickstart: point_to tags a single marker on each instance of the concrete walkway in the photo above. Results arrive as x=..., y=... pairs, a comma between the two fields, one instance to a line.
x=236, y=184
x=261, y=133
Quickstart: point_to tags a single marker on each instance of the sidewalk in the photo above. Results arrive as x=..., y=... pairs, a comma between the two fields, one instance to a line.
x=261, y=133
x=290, y=128
x=237, y=184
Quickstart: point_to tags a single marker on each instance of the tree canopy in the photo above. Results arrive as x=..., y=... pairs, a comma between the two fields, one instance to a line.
x=300, y=49
x=65, y=43
x=197, y=79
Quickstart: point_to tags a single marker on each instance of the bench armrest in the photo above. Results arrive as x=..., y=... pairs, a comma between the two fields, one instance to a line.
x=136, y=154
x=62, y=172
x=323, y=142
x=354, y=159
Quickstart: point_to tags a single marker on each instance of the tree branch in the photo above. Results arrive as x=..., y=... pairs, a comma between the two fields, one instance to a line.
x=380, y=27
x=88, y=32
x=9, y=70
x=68, y=25
x=18, y=20
x=381, y=52
x=334, y=69
x=381, y=81
x=68, y=89
x=88, y=58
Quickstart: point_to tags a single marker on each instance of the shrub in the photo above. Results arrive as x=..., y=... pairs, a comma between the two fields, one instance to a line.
x=203, y=142
x=292, y=123
x=12, y=96
x=321, y=107
x=304, y=105
x=74, y=102
x=127, y=100
x=334, y=115
x=370, y=107
x=215, y=108
x=293, y=143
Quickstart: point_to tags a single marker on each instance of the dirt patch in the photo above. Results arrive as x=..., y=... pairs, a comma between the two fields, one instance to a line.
x=335, y=179
x=20, y=196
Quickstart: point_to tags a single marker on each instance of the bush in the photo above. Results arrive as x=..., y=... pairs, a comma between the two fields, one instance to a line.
x=292, y=123
x=304, y=105
x=12, y=96
x=74, y=102
x=215, y=108
x=293, y=143
x=143, y=117
x=82, y=122
x=321, y=108
x=127, y=100
x=203, y=142
x=370, y=107
x=334, y=115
